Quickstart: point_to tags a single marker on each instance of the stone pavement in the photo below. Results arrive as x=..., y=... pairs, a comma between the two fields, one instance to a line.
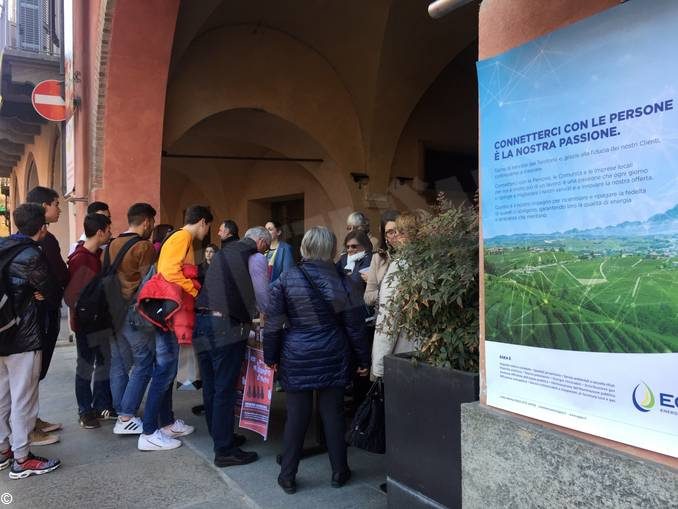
x=103, y=470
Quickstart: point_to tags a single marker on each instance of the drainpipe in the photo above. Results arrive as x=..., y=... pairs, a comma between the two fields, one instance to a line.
x=441, y=8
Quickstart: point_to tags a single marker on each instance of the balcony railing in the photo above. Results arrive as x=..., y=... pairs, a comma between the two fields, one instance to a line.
x=31, y=26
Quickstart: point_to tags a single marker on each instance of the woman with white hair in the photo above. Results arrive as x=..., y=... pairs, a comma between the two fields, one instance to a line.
x=359, y=221
x=324, y=324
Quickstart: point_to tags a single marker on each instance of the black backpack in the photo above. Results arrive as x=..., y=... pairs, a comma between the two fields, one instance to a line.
x=100, y=305
x=9, y=320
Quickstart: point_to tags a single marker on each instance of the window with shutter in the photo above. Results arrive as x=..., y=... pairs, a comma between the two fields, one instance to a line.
x=29, y=25
x=55, y=19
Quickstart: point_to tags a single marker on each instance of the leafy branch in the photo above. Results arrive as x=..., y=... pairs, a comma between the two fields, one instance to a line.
x=436, y=300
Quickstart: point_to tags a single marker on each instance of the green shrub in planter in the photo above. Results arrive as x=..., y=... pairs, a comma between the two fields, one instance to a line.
x=436, y=303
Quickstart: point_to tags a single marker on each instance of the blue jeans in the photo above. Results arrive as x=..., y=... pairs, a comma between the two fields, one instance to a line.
x=220, y=360
x=158, y=409
x=92, y=387
x=132, y=356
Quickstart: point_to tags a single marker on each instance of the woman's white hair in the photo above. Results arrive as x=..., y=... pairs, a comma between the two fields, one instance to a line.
x=358, y=219
x=318, y=243
x=258, y=233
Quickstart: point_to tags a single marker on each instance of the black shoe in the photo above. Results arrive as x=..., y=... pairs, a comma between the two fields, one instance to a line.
x=198, y=410
x=89, y=420
x=107, y=414
x=340, y=478
x=239, y=440
x=289, y=486
x=383, y=487
x=237, y=457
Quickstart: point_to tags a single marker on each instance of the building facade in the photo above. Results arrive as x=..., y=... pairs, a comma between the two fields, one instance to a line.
x=30, y=147
x=262, y=111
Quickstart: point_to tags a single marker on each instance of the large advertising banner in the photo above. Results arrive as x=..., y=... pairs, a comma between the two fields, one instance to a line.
x=579, y=164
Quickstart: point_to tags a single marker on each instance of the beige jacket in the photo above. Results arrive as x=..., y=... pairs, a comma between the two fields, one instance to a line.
x=385, y=343
x=378, y=269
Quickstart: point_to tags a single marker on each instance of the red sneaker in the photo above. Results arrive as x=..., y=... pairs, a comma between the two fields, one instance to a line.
x=6, y=458
x=32, y=465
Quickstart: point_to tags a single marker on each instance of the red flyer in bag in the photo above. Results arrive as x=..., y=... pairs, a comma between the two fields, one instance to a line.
x=256, y=402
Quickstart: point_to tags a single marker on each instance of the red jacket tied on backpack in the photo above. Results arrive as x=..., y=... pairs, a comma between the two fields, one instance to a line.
x=168, y=307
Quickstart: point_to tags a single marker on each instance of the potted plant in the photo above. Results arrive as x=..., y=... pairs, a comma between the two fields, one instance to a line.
x=436, y=307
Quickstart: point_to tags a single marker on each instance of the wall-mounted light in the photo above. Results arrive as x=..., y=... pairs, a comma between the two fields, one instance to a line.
x=360, y=178
x=440, y=8
x=404, y=180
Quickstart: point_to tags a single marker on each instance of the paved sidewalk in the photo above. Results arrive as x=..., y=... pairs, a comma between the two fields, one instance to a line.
x=103, y=470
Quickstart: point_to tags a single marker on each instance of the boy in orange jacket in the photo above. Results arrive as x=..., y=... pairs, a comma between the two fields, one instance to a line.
x=161, y=429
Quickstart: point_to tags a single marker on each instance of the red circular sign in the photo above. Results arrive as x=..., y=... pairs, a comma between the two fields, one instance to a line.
x=48, y=100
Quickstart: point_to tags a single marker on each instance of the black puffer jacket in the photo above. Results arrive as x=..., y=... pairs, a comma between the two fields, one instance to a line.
x=26, y=274
x=315, y=349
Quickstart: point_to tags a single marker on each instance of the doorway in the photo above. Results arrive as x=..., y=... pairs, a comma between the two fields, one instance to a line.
x=286, y=210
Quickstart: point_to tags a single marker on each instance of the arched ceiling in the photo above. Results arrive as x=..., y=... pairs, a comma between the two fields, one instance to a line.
x=384, y=53
x=258, y=134
x=234, y=67
x=243, y=129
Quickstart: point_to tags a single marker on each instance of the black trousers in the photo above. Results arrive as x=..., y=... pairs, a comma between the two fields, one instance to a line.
x=52, y=319
x=220, y=368
x=362, y=384
x=299, y=409
x=220, y=344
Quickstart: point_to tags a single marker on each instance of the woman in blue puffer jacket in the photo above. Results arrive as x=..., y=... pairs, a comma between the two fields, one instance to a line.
x=324, y=324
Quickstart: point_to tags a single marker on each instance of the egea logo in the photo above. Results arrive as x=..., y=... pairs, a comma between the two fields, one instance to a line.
x=648, y=398
x=643, y=400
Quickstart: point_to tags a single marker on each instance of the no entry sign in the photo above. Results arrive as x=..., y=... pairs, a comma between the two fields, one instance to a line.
x=48, y=100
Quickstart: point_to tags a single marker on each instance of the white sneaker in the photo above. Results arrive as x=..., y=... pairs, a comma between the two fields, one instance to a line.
x=158, y=441
x=178, y=429
x=132, y=427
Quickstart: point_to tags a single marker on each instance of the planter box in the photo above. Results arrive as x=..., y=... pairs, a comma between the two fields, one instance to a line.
x=423, y=432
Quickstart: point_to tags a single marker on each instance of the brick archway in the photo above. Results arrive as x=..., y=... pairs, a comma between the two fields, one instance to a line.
x=133, y=62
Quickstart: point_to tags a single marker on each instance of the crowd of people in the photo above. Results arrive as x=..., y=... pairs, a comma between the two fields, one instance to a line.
x=134, y=299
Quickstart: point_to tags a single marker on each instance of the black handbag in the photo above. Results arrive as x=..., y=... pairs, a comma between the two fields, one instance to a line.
x=368, y=429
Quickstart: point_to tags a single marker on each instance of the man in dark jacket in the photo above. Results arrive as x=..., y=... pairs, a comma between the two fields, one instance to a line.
x=235, y=292
x=93, y=349
x=50, y=308
x=228, y=232
x=58, y=272
x=26, y=277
